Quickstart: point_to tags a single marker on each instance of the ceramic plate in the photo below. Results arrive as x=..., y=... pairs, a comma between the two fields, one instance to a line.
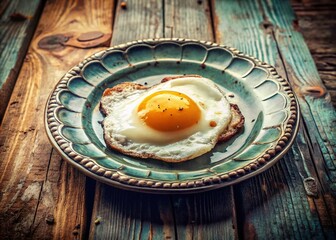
x=73, y=119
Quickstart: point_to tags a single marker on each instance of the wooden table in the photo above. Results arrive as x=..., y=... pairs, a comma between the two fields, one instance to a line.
x=42, y=197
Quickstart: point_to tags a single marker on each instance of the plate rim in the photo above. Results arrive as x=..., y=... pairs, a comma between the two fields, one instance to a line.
x=120, y=180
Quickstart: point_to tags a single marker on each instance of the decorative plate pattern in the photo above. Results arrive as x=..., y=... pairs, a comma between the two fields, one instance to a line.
x=73, y=119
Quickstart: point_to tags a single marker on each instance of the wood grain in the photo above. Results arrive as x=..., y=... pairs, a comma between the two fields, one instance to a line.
x=316, y=21
x=187, y=19
x=319, y=116
x=17, y=24
x=207, y=215
x=278, y=205
x=119, y=214
x=41, y=196
x=257, y=28
x=140, y=20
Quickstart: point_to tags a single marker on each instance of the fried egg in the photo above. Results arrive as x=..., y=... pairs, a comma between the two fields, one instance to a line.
x=173, y=121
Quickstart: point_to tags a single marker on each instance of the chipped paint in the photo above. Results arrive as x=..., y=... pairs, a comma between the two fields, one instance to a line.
x=31, y=192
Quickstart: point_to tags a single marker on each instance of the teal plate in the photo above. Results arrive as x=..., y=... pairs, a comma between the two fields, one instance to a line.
x=73, y=119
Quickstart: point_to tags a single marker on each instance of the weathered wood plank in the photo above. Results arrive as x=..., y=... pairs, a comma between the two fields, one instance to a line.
x=319, y=116
x=17, y=24
x=140, y=20
x=121, y=214
x=207, y=215
x=276, y=204
x=41, y=196
x=316, y=21
x=188, y=19
x=264, y=29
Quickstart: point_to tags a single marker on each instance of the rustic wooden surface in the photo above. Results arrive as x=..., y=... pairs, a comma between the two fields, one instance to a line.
x=42, y=197
x=316, y=21
x=276, y=41
x=18, y=19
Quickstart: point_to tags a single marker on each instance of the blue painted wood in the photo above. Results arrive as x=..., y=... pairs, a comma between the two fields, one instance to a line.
x=265, y=29
x=18, y=19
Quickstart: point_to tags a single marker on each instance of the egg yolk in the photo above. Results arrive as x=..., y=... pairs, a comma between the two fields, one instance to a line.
x=169, y=111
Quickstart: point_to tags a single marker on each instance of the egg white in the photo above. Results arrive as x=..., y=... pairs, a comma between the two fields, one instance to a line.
x=128, y=132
